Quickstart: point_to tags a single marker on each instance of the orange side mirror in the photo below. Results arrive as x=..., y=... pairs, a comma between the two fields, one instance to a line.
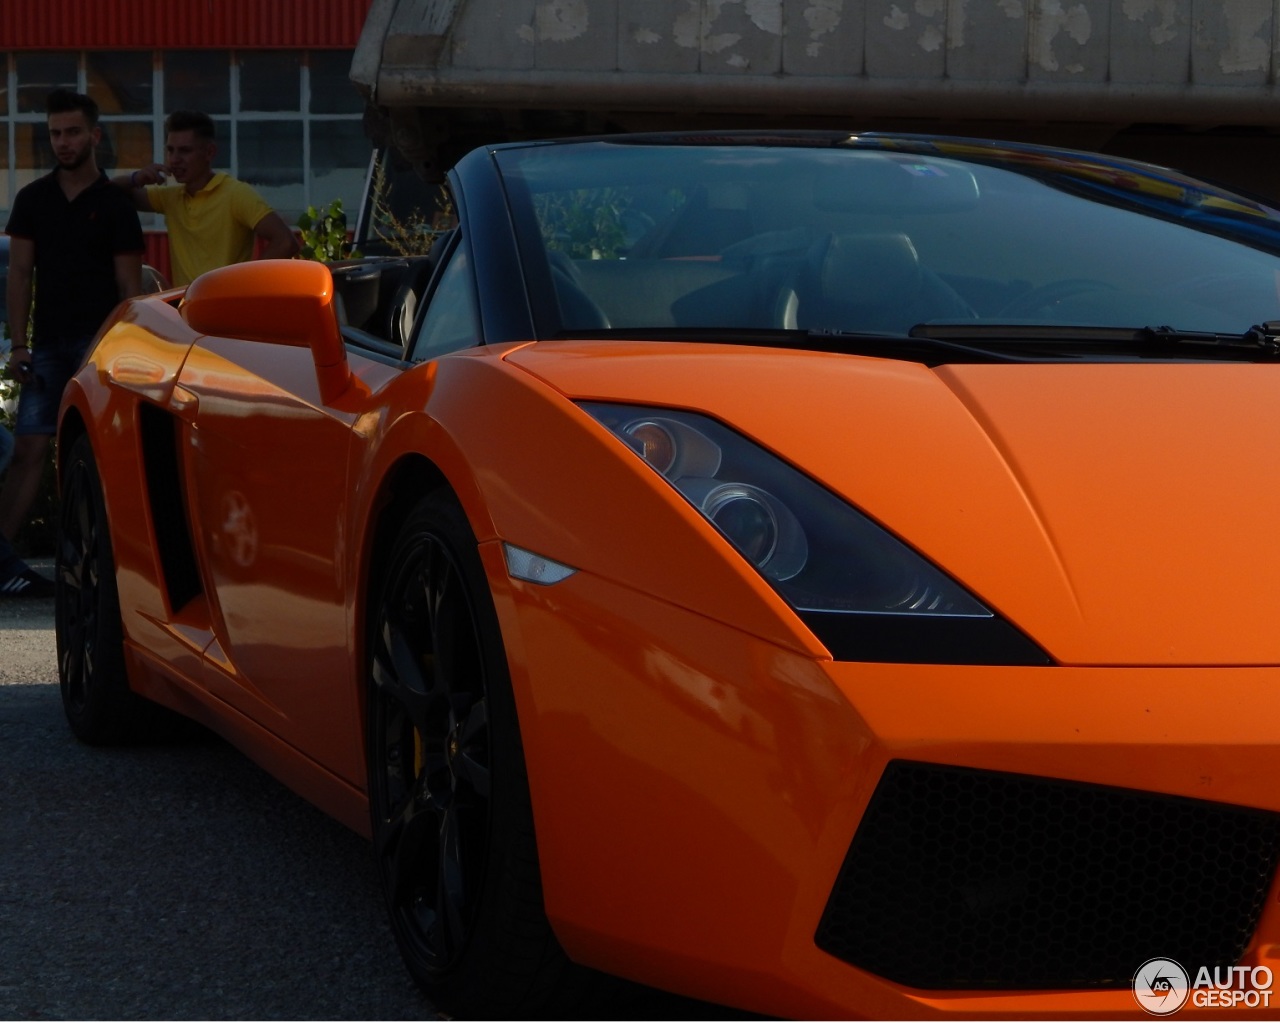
x=275, y=301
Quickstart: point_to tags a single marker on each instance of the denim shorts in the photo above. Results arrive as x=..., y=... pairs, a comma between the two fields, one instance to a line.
x=55, y=363
x=6, y=453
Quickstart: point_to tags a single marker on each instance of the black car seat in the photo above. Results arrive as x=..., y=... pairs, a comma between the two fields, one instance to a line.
x=866, y=282
x=402, y=307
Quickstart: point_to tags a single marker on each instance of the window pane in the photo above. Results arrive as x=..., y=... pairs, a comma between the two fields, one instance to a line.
x=332, y=91
x=197, y=80
x=4, y=86
x=222, y=146
x=452, y=321
x=41, y=73
x=120, y=81
x=339, y=161
x=271, y=80
x=32, y=151
x=271, y=160
x=131, y=143
x=33, y=157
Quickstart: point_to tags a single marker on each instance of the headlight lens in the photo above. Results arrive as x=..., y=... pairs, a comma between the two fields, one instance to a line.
x=763, y=528
x=820, y=553
x=855, y=584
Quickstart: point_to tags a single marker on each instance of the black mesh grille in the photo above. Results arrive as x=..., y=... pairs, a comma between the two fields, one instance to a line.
x=960, y=879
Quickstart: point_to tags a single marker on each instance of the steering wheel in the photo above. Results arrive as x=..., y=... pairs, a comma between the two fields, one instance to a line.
x=1040, y=298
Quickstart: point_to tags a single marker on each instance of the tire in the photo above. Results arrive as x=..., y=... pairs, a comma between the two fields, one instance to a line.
x=448, y=794
x=97, y=701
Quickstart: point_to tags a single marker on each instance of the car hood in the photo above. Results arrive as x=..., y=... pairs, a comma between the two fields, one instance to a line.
x=1121, y=513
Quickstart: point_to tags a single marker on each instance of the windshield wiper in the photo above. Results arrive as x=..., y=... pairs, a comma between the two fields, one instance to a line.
x=1262, y=340
x=1258, y=342
x=973, y=341
x=929, y=350
x=925, y=347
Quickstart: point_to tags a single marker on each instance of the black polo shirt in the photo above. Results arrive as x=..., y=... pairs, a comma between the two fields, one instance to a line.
x=76, y=244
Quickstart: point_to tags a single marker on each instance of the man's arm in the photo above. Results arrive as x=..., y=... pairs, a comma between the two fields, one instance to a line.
x=136, y=184
x=128, y=273
x=22, y=259
x=281, y=243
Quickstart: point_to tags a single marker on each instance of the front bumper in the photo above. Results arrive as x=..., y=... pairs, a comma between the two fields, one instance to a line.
x=805, y=838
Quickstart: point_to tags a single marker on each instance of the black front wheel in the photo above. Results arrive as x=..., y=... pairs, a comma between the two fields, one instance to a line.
x=448, y=794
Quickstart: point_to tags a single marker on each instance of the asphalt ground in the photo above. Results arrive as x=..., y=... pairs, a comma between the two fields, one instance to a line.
x=180, y=881
x=171, y=882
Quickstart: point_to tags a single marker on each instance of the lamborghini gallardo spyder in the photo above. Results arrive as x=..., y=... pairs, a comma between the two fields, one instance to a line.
x=820, y=574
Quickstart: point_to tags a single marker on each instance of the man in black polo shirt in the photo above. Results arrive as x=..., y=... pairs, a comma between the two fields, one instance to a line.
x=76, y=244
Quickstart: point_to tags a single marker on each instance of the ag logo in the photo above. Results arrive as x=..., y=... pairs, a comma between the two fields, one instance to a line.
x=1161, y=986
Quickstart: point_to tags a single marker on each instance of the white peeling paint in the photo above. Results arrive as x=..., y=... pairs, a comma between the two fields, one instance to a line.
x=526, y=34
x=1013, y=8
x=1165, y=30
x=931, y=36
x=823, y=17
x=897, y=19
x=646, y=36
x=956, y=16
x=1050, y=21
x=692, y=27
x=687, y=27
x=558, y=21
x=1249, y=32
x=712, y=42
x=721, y=42
x=766, y=15
x=738, y=61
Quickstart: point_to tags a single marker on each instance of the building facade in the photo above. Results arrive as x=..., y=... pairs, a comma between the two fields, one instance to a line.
x=273, y=75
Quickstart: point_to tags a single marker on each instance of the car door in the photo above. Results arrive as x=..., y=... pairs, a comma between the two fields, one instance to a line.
x=266, y=465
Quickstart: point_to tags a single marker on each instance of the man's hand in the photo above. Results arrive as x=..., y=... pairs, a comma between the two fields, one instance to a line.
x=20, y=364
x=151, y=174
x=136, y=184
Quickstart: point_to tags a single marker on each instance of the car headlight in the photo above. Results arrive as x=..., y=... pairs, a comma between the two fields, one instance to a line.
x=865, y=593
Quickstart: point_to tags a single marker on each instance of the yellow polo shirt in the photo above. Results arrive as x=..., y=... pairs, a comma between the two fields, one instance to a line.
x=210, y=229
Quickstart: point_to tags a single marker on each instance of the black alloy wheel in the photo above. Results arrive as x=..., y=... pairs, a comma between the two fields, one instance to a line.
x=448, y=795
x=97, y=701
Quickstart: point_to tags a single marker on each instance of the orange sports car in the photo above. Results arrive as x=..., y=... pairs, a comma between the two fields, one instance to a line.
x=826, y=575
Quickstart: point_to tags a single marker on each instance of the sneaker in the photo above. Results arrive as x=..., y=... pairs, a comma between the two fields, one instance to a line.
x=27, y=583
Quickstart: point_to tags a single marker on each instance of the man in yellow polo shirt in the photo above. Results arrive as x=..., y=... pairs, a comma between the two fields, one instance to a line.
x=213, y=218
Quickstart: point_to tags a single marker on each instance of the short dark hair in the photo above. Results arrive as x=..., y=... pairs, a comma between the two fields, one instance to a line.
x=65, y=101
x=190, y=120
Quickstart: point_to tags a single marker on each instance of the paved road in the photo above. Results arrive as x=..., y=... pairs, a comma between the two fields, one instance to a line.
x=171, y=882
x=181, y=881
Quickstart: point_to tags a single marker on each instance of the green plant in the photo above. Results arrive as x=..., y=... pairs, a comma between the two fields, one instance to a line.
x=324, y=233
x=586, y=223
x=8, y=386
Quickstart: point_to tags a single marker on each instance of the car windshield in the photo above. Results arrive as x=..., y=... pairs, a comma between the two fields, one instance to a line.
x=878, y=234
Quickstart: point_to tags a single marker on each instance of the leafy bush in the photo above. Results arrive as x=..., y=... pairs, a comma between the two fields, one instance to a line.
x=586, y=223
x=324, y=234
